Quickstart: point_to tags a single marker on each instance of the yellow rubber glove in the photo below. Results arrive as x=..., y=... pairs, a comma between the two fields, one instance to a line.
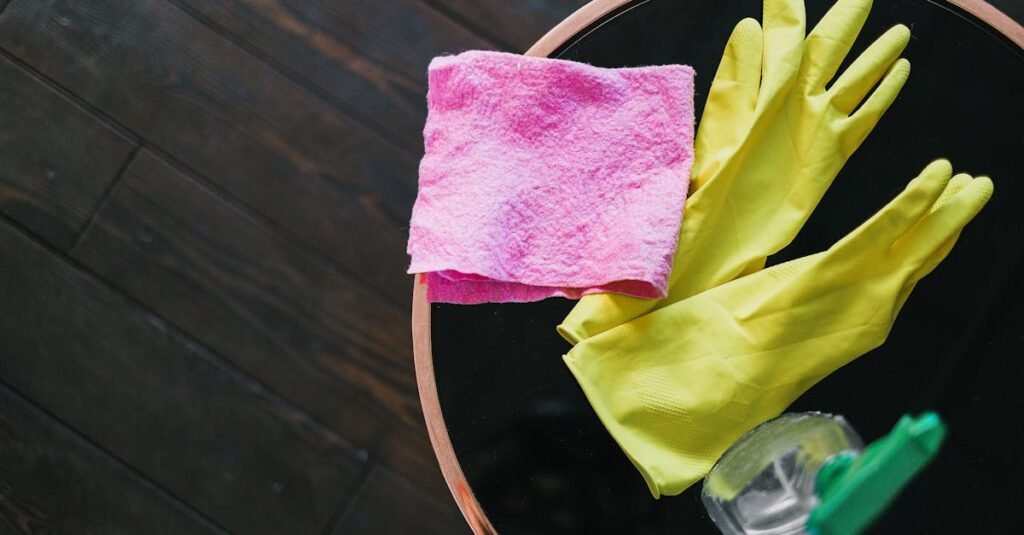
x=677, y=386
x=771, y=140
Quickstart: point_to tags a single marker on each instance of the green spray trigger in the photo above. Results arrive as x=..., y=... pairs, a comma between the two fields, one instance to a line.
x=854, y=489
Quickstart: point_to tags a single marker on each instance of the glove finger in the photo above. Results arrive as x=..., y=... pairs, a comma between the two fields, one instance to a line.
x=926, y=267
x=948, y=219
x=905, y=211
x=784, y=25
x=856, y=127
x=957, y=183
x=729, y=111
x=853, y=85
x=739, y=73
x=830, y=41
x=937, y=255
x=938, y=236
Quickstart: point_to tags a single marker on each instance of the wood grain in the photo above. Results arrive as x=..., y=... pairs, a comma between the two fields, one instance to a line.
x=244, y=126
x=370, y=56
x=292, y=321
x=53, y=481
x=388, y=505
x=161, y=402
x=512, y=25
x=282, y=314
x=57, y=159
x=407, y=449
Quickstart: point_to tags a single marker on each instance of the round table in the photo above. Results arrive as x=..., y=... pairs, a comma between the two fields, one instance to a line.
x=521, y=448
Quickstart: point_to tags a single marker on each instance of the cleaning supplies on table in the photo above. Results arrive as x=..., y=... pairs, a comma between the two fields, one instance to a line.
x=770, y=141
x=551, y=178
x=809, y=473
x=677, y=386
x=544, y=177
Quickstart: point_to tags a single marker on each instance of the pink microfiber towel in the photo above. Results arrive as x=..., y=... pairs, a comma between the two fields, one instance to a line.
x=545, y=177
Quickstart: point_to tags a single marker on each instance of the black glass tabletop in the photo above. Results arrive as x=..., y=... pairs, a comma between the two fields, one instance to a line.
x=538, y=458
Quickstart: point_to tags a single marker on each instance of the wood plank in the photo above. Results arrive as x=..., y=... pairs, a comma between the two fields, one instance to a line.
x=407, y=449
x=53, y=481
x=388, y=504
x=243, y=291
x=161, y=402
x=56, y=160
x=513, y=25
x=292, y=321
x=280, y=149
x=371, y=56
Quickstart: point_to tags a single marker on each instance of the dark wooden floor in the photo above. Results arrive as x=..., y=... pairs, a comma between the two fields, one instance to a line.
x=203, y=306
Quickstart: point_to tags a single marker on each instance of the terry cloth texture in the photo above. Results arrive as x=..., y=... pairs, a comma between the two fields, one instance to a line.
x=545, y=177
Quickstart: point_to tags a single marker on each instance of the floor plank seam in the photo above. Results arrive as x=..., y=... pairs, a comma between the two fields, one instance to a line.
x=242, y=208
x=367, y=122
x=239, y=205
x=252, y=214
x=72, y=98
x=357, y=344
x=348, y=501
x=117, y=461
x=180, y=335
x=451, y=15
x=227, y=365
x=105, y=197
x=359, y=454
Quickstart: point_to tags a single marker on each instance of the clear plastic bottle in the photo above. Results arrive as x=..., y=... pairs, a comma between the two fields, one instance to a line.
x=765, y=483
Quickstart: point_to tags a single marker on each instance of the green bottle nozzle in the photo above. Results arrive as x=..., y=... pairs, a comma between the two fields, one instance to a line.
x=854, y=489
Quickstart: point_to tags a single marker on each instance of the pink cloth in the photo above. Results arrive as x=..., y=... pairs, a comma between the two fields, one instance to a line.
x=545, y=177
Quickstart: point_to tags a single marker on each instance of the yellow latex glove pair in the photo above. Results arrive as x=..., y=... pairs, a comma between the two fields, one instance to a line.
x=677, y=381
x=677, y=386
x=771, y=139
